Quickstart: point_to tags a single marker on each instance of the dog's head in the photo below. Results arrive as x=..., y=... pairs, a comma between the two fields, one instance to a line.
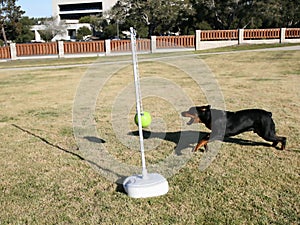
x=198, y=114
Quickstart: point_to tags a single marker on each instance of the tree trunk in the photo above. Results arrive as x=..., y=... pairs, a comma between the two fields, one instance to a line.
x=4, y=36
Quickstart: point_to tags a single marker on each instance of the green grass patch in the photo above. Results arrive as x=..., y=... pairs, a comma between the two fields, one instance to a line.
x=6, y=119
x=43, y=113
x=245, y=47
x=43, y=180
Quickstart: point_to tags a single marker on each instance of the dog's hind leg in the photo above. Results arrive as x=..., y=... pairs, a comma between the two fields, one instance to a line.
x=268, y=133
x=275, y=139
x=282, y=140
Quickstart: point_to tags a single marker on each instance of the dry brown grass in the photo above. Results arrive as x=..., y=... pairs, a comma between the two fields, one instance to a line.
x=42, y=183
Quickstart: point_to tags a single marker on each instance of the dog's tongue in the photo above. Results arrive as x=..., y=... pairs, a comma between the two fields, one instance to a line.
x=190, y=122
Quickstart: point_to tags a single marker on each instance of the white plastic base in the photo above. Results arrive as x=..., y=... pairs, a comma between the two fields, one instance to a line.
x=152, y=185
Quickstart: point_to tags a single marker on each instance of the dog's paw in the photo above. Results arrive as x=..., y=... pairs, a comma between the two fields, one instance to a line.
x=203, y=148
x=196, y=149
x=206, y=148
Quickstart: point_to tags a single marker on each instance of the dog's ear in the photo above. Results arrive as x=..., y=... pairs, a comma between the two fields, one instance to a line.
x=204, y=108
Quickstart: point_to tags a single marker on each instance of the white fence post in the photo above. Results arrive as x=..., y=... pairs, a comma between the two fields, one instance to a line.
x=282, y=35
x=198, y=40
x=107, y=47
x=13, y=51
x=241, y=36
x=61, y=50
x=153, y=44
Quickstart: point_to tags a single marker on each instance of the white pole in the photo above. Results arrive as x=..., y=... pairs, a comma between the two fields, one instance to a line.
x=138, y=99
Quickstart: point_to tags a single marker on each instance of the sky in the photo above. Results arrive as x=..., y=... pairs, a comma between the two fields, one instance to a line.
x=36, y=8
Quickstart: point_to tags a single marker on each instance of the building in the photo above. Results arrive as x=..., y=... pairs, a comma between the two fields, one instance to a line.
x=70, y=11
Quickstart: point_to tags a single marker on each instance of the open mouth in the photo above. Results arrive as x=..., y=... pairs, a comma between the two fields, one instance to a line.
x=186, y=114
x=191, y=121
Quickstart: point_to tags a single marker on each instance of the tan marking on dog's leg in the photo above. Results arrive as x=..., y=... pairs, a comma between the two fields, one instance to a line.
x=202, y=143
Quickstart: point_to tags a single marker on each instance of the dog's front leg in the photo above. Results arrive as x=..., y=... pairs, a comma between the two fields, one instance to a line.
x=209, y=137
x=202, y=143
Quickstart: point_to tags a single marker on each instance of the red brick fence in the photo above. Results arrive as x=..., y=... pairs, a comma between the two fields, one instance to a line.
x=202, y=40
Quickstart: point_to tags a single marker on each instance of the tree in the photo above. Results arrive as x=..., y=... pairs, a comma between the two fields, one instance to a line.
x=291, y=12
x=281, y=13
x=158, y=17
x=52, y=28
x=10, y=15
x=186, y=18
x=152, y=17
x=26, y=35
x=97, y=23
x=267, y=13
x=82, y=32
x=220, y=14
x=3, y=19
x=233, y=14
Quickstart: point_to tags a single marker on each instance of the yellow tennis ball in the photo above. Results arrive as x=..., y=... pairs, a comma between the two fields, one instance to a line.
x=146, y=119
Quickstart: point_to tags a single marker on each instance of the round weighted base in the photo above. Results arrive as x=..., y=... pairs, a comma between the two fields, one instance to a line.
x=151, y=185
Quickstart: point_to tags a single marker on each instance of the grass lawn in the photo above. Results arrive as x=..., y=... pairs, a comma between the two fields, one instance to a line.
x=44, y=179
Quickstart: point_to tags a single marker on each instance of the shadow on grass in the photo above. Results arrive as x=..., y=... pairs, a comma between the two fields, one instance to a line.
x=47, y=142
x=240, y=141
x=95, y=139
x=182, y=139
x=176, y=137
x=119, y=182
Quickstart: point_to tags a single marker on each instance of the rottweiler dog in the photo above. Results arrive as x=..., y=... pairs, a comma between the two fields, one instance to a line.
x=225, y=124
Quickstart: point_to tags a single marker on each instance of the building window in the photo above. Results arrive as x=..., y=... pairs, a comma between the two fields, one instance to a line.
x=76, y=16
x=79, y=7
x=72, y=33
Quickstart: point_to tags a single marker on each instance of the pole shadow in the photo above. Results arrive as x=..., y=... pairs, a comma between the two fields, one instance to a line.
x=119, y=182
x=48, y=142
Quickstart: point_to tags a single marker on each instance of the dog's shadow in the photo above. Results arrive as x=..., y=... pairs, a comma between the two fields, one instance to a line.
x=182, y=139
x=187, y=139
